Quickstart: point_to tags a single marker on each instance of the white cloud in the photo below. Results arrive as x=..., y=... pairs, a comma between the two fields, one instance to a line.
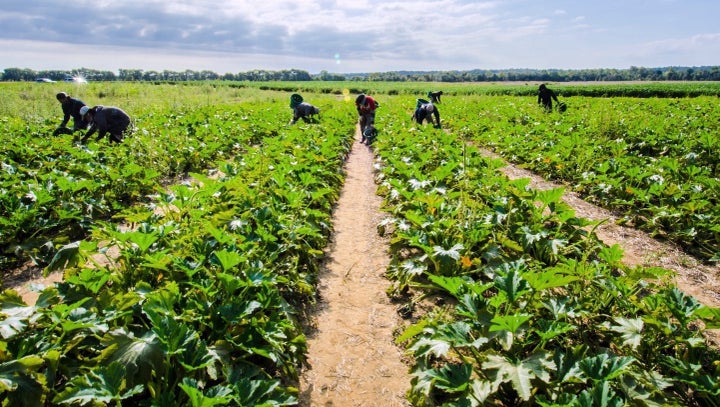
x=230, y=36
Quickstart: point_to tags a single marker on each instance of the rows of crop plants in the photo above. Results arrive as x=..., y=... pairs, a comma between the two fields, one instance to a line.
x=190, y=294
x=54, y=189
x=653, y=161
x=537, y=311
x=418, y=89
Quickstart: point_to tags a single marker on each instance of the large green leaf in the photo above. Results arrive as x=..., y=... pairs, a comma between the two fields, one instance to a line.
x=105, y=384
x=93, y=279
x=520, y=373
x=15, y=321
x=601, y=395
x=549, y=278
x=215, y=396
x=16, y=375
x=604, y=367
x=511, y=284
x=510, y=323
x=227, y=259
x=451, y=378
x=629, y=329
x=142, y=357
x=67, y=256
x=710, y=316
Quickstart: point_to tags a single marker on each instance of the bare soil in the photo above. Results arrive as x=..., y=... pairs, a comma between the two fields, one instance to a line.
x=352, y=358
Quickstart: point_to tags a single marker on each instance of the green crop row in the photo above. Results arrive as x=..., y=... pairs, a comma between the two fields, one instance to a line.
x=535, y=309
x=652, y=161
x=192, y=296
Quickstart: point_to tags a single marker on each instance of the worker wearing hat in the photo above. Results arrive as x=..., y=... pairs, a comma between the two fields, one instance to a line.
x=71, y=108
x=302, y=109
x=105, y=120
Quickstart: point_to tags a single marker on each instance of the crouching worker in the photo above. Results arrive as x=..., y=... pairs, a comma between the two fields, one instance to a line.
x=366, y=106
x=105, y=120
x=70, y=108
x=435, y=96
x=425, y=110
x=302, y=110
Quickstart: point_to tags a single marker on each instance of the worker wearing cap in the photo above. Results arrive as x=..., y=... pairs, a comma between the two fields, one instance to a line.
x=71, y=108
x=104, y=120
x=302, y=110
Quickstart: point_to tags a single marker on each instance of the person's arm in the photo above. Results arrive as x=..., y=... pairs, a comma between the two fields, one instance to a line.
x=554, y=96
x=89, y=133
x=66, y=116
x=101, y=134
x=436, y=113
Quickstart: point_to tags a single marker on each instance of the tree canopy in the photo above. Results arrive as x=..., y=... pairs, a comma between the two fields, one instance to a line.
x=634, y=73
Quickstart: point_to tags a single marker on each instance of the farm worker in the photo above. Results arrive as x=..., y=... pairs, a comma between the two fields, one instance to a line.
x=105, y=119
x=302, y=110
x=435, y=96
x=71, y=108
x=425, y=110
x=546, y=96
x=366, y=106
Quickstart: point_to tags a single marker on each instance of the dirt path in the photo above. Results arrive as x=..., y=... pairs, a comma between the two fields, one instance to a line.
x=352, y=358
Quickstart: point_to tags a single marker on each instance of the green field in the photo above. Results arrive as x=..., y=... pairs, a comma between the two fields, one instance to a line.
x=220, y=214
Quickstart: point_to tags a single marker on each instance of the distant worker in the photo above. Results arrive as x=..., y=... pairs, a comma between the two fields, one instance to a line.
x=435, y=96
x=104, y=120
x=302, y=110
x=545, y=97
x=366, y=106
x=425, y=110
x=70, y=108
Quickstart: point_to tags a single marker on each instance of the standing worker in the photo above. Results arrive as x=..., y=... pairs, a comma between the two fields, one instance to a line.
x=302, y=110
x=105, y=119
x=425, y=110
x=366, y=106
x=71, y=108
x=545, y=97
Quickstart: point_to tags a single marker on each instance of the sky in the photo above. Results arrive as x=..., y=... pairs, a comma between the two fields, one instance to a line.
x=353, y=36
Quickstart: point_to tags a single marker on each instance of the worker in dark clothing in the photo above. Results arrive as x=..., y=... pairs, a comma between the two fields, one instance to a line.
x=71, y=108
x=425, y=110
x=435, y=96
x=545, y=97
x=302, y=110
x=104, y=120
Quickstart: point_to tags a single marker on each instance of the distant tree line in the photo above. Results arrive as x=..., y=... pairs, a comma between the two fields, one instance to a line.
x=24, y=74
x=672, y=73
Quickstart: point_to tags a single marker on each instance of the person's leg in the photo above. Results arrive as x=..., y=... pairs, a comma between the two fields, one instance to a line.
x=363, y=124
